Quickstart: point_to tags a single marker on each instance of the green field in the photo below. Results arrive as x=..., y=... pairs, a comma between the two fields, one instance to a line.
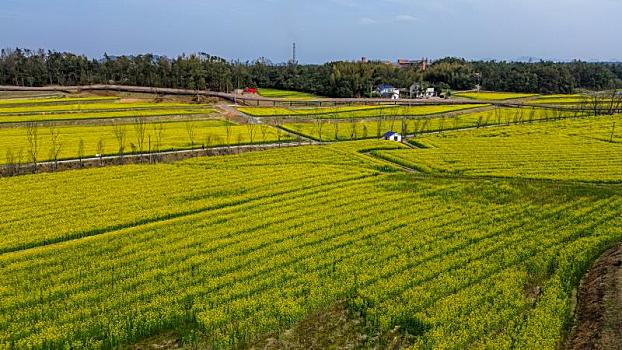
x=327, y=130
x=583, y=150
x=224, y=250
x=173, y=136
x=355, y=111
x=285, y=94
x=490, y=96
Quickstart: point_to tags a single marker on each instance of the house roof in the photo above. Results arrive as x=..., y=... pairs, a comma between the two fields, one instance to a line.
x=390, y=133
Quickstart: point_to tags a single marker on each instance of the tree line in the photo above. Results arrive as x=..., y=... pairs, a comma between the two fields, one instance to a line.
x=23, y=67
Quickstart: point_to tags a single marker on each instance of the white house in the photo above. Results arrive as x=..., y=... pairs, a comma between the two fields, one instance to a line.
x=415, y=90
x=429, y=92
x=388, y=91
x=418, y=91
x=393, y=136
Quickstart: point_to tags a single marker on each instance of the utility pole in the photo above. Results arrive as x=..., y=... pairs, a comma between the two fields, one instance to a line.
x=294, y=54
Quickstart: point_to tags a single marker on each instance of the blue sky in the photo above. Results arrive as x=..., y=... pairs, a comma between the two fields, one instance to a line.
x=324, y=30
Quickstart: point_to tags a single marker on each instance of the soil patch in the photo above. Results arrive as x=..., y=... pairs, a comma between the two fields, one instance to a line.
x=599, y=309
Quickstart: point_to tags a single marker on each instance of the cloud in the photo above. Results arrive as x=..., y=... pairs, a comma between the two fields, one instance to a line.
x=367, y=21
x=405, y=18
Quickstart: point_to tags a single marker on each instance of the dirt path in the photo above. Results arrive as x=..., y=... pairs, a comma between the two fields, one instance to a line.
x=599, y=310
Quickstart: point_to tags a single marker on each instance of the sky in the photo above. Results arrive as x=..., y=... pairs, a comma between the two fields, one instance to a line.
x=324, y=30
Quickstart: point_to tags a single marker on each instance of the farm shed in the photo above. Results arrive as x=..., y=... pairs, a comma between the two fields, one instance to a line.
x=393, y=136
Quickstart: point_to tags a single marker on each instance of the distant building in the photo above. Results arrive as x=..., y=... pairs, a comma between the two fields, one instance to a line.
x=418, y=91
x=406, y=63
x=364, y=59
x=388, y=91
x=250, y=90
x=393, y=136
x=429, y=93
x=424, y=64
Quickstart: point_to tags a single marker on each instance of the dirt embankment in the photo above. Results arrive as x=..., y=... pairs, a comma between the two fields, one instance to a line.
x=599, y=309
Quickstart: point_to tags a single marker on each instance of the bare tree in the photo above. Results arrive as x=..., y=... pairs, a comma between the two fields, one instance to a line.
x=615, y=102
x=336, y=124
x=32, y=135
x=379, y=122
x=594, y=102
x=55, y=146
x=251, y=131
x=81, y=151
x=100, y=150
x=319, y=124
x=139, y=129
x=394, y=114
x=264, y=128
x=416, y=126
x=13, y=162
x=18, y=160
x=352, y=128
x=532, y=115
x=190, y=131
x=9, y=159
x=228, y=130
x=158, y=131
x=120, y=134
x=424, y=126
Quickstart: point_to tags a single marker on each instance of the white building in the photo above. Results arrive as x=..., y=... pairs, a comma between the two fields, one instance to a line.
x=393, y=136
x=388, y=91
x=429, y=93
x=418, y=91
